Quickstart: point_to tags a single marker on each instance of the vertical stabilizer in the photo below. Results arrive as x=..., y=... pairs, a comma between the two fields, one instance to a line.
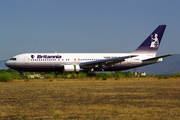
x=152, y=43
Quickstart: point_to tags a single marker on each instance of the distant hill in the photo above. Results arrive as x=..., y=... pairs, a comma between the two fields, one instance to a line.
x=2, y=64
x=169, y=65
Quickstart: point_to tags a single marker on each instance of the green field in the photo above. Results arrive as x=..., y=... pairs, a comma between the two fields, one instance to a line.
x=127, y=98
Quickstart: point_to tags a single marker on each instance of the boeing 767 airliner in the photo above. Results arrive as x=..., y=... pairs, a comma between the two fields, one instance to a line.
x=145, y=54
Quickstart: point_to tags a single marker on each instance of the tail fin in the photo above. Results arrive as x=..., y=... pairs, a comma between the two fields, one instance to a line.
x=151, y=44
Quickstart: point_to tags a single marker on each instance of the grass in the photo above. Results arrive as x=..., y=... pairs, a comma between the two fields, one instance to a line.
x=125, y=98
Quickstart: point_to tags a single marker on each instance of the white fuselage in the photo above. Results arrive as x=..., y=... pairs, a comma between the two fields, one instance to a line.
x=145, y=54
x=55, y=61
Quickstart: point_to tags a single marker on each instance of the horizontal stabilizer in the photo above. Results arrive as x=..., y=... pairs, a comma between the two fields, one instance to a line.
x=158, y=57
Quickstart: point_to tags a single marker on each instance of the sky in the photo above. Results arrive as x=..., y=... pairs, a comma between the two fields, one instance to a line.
x=80, y=26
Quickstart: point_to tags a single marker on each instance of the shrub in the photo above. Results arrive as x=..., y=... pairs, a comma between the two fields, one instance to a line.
x=73, y=75
x=3, y=71
x=104, y=78
x=128, y=74
x=59, y=76
x=109, y=75
x=165, y=77
x=27, y=73
x=16, y=75
x=116, y=78
x=91, y=74
x=5, y=77
x=82, y=75
x=49, y=75
x=97, y=78
x=65, y=75
x=150, y=75
x=175, y=75
x=100, y=75
x=26, y=80
x=119, y=74
x=160, y=76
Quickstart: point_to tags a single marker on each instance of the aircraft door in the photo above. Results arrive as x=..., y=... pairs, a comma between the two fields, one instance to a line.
x=129, y=60
x=26, y=60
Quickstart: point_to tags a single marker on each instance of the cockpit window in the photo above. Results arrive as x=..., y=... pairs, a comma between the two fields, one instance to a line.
x=13, y=59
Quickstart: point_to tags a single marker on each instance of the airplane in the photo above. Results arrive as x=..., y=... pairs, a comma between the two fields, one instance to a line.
x=145, y=54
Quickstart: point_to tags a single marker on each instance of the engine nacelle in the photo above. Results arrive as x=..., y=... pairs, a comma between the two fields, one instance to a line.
x=71, y=68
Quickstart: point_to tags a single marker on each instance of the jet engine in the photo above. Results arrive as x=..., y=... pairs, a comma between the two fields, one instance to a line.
x=71, y=68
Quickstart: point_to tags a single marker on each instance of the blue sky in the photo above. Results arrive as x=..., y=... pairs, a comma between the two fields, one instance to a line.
x=93, y=26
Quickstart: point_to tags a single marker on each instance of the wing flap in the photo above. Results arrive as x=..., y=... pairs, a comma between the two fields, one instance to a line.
x=107, y=62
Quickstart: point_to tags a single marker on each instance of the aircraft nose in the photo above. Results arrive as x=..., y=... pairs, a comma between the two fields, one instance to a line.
x=7, y=63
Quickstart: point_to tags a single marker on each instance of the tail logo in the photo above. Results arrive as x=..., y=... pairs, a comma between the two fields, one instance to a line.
x=154, y=41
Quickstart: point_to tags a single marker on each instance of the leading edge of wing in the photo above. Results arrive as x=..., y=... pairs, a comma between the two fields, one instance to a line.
x=110, y=61
x=158, y=57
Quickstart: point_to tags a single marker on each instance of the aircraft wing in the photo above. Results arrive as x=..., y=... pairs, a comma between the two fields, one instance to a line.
x=106, y=62
x=155, y=58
